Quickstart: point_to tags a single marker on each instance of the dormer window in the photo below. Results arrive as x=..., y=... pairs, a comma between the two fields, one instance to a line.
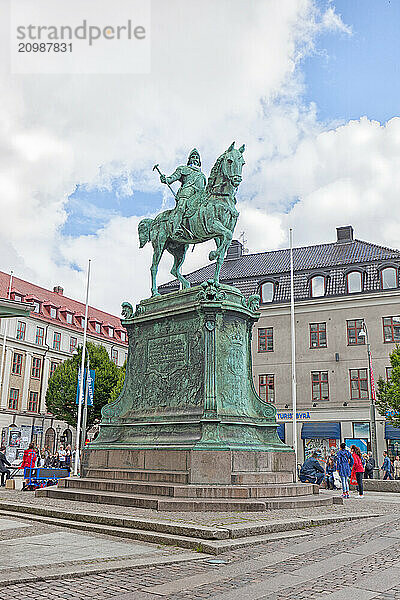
x=389, y=278
x=36, y=306
x=354, y=282
x=123, y=336
x=267, y=292
x=317, y=286
x=68, y=317
x=111, y=331
x=96, y=326
x=53, y=312
x=16, y=297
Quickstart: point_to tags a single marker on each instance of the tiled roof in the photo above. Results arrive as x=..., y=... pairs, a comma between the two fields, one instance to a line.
x=334, y=259
x=47, y=297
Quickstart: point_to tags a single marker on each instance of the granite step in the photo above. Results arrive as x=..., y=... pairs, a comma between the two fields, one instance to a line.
x=180, y=504
x=190, y=491
x=250, y=478
x=139, y=475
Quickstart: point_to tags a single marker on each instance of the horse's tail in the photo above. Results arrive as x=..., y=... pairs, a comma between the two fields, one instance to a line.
x=144, y=231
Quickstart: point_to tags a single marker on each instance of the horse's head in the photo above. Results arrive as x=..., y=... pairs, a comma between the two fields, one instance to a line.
x=232, y=164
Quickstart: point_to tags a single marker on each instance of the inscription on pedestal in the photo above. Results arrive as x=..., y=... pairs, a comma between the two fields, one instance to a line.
x=167, y=353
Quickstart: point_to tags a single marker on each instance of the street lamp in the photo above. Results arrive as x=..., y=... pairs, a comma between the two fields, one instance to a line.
x=58, y=429
x=364, y=333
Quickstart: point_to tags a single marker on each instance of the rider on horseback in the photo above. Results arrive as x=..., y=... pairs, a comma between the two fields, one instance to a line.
x=193, y=182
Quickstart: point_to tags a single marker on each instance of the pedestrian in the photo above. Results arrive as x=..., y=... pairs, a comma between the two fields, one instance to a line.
x=369, y=467
x=28, y=462
x=386, y=467
x=312, y=471
x=55, y=461
x=358, y=469
x=396, y=465
x=62, y=455
x=68, y=457
x=330, y=469
x=5, y=473
x=344, y=462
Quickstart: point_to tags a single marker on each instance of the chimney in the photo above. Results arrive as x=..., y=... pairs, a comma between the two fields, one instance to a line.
x=234, y=251
x=58, y=289
x=344, y=234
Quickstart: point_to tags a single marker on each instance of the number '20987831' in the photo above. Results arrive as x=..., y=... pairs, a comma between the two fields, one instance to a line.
x=44, y=47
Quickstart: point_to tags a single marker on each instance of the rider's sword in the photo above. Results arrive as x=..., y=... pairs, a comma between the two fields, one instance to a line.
x=183, y=227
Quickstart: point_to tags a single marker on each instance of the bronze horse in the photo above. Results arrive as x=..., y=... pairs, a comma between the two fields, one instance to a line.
x=211, y=215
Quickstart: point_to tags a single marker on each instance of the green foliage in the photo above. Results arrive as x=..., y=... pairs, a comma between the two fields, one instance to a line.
x=388, y=392
x=120, y=383
x=61, y=391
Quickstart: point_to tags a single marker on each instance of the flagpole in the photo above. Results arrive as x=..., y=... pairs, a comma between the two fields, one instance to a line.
x=293, y=339
x=81, y=382
x=3, y=353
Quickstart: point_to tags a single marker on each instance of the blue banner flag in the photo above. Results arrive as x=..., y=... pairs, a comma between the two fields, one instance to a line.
x=89, y=380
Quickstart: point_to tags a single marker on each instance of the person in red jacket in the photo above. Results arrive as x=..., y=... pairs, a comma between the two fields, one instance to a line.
x=29, y=458
x=358, y=469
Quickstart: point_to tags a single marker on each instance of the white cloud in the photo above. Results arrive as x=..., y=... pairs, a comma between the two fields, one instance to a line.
x=221, y=71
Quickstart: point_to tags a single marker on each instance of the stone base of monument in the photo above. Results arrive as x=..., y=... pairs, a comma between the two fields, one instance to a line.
x=189, y=431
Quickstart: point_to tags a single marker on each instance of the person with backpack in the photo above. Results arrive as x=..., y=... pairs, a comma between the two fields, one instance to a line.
x=344, y=462
x=358, y=469
x=369, y=467
x=386, y=467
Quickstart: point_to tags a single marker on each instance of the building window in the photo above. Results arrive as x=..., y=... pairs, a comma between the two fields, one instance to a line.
x=266, y=339
x=388, y=373
x=123, y=336
x=17, y=298
x=354, y=282
x=391, y=329
x=389, y=278
x=354, y=327
x=36, y=306
x=111, y=332
x=267, y=292
x=317, y=335
x=36, y=368
x=73, y=342
x=358, y=384
x=317, y=286
x=57, y=340
x=33, y=401
x=68, y=318
x=21, y=328
x=361, y=431
x=114, y=356
x=97, y=327
x=13, y=399
x=320, y=387
x=53, y=367
x=39, y=336
x=17, y=364
x=266, y=388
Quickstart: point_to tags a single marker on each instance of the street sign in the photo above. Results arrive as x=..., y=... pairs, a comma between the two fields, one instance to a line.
x=89, y=380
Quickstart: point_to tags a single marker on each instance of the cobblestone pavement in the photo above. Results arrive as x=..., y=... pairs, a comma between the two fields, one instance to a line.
x=357, y=560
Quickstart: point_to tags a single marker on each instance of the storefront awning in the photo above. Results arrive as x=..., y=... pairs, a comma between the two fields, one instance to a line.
x=281, y=431
x=391, y=433
x=324, y=431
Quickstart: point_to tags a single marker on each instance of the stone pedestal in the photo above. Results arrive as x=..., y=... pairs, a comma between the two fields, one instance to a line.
x=189, y=405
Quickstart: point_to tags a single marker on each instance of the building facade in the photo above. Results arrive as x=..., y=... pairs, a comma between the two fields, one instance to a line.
x=344, y=291
x=35, y=346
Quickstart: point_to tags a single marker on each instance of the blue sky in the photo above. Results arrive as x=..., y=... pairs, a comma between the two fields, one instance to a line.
x=347, y=77
x=357, y=75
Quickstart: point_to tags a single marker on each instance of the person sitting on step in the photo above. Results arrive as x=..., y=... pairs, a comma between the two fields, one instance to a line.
x=312, y=471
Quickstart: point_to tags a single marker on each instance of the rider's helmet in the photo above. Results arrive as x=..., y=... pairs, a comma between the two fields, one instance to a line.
x=193, y=153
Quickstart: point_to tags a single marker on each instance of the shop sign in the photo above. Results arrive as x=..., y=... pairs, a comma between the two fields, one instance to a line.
x=289, y=416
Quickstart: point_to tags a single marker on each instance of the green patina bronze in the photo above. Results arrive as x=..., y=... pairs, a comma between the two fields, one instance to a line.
x=189, y=376
x=202, y=212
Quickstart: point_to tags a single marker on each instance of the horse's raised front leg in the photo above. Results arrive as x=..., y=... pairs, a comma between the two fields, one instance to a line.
x=178, y=251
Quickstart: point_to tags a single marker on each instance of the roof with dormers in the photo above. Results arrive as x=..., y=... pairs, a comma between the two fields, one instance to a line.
x=333, y=260
x=48, y=298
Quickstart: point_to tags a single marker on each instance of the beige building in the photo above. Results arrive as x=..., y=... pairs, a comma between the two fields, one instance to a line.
x=342, y=290
x=35, y=346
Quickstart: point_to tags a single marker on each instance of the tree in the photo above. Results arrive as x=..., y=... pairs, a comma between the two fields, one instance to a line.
x=388, y=392
x=61, y=391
